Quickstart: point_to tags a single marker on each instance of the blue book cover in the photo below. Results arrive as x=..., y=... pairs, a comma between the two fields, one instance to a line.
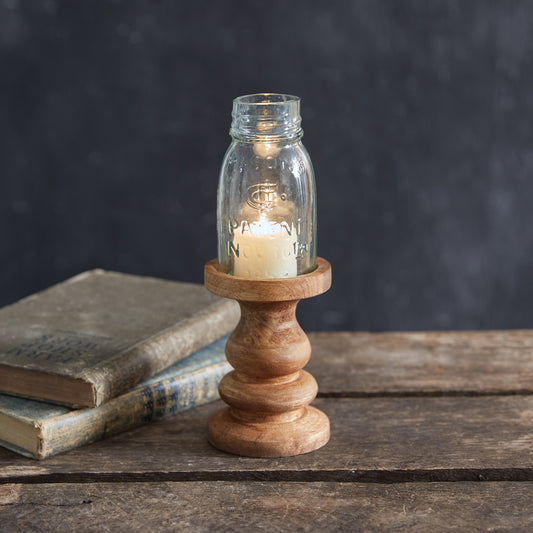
x=39, y=430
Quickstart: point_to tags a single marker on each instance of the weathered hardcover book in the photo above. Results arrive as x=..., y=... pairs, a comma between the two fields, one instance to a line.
x=39, y=430
x=96, y=335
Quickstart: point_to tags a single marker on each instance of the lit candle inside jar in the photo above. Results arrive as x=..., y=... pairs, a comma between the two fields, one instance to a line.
x=266, y=149
x=265, y=249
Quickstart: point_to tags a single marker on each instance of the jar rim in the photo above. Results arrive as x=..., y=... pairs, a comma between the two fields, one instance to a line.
x=266, y=99
x=266, y=116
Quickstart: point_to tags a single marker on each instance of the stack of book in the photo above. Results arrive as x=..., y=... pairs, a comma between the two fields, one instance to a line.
x=104, y=352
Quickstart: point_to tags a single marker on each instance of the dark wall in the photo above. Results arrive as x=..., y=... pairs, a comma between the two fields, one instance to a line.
x=417, y=115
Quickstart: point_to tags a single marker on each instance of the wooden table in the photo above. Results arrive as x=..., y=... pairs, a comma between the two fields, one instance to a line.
x=430, y=432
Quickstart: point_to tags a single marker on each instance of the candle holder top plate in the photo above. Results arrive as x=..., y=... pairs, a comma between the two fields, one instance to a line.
x=268, y=290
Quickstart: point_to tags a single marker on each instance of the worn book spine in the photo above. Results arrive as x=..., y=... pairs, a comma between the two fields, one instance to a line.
x=145, y=404
x=95, y=336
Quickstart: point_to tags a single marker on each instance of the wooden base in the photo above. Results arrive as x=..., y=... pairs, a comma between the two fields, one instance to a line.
x=267, y=439
x=268, y=393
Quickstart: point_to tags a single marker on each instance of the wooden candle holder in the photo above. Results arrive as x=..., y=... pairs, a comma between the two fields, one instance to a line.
x=268, y=393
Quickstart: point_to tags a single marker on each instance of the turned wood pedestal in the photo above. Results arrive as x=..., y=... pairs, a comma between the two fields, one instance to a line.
x=268, y=393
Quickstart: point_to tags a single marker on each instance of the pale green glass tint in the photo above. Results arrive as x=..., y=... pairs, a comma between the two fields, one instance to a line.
x=266, y=197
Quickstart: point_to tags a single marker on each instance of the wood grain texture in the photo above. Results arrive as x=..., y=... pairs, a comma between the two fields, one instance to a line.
x=276, y=507
x=423, y=363
x=430, y=431
x=267, y=392
x=358, y=364
x=379, y=440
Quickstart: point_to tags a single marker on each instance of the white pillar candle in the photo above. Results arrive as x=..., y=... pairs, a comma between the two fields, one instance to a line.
x=266, y=149
x=265, y=249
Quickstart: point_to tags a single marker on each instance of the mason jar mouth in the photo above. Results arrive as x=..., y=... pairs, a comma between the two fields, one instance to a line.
x=266, y=99
x=266, y=117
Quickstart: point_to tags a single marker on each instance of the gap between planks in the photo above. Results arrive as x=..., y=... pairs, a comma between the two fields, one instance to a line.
x=340, y=476
x=424, y=394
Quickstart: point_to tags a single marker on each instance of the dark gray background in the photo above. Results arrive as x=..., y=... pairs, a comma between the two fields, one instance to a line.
x=417, y=115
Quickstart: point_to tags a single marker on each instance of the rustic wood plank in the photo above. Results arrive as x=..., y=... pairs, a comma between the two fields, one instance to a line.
x=254, y=506
x=373, y=439
x=464, y=362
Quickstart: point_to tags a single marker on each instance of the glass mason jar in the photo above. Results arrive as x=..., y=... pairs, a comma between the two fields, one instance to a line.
x=266, y=209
